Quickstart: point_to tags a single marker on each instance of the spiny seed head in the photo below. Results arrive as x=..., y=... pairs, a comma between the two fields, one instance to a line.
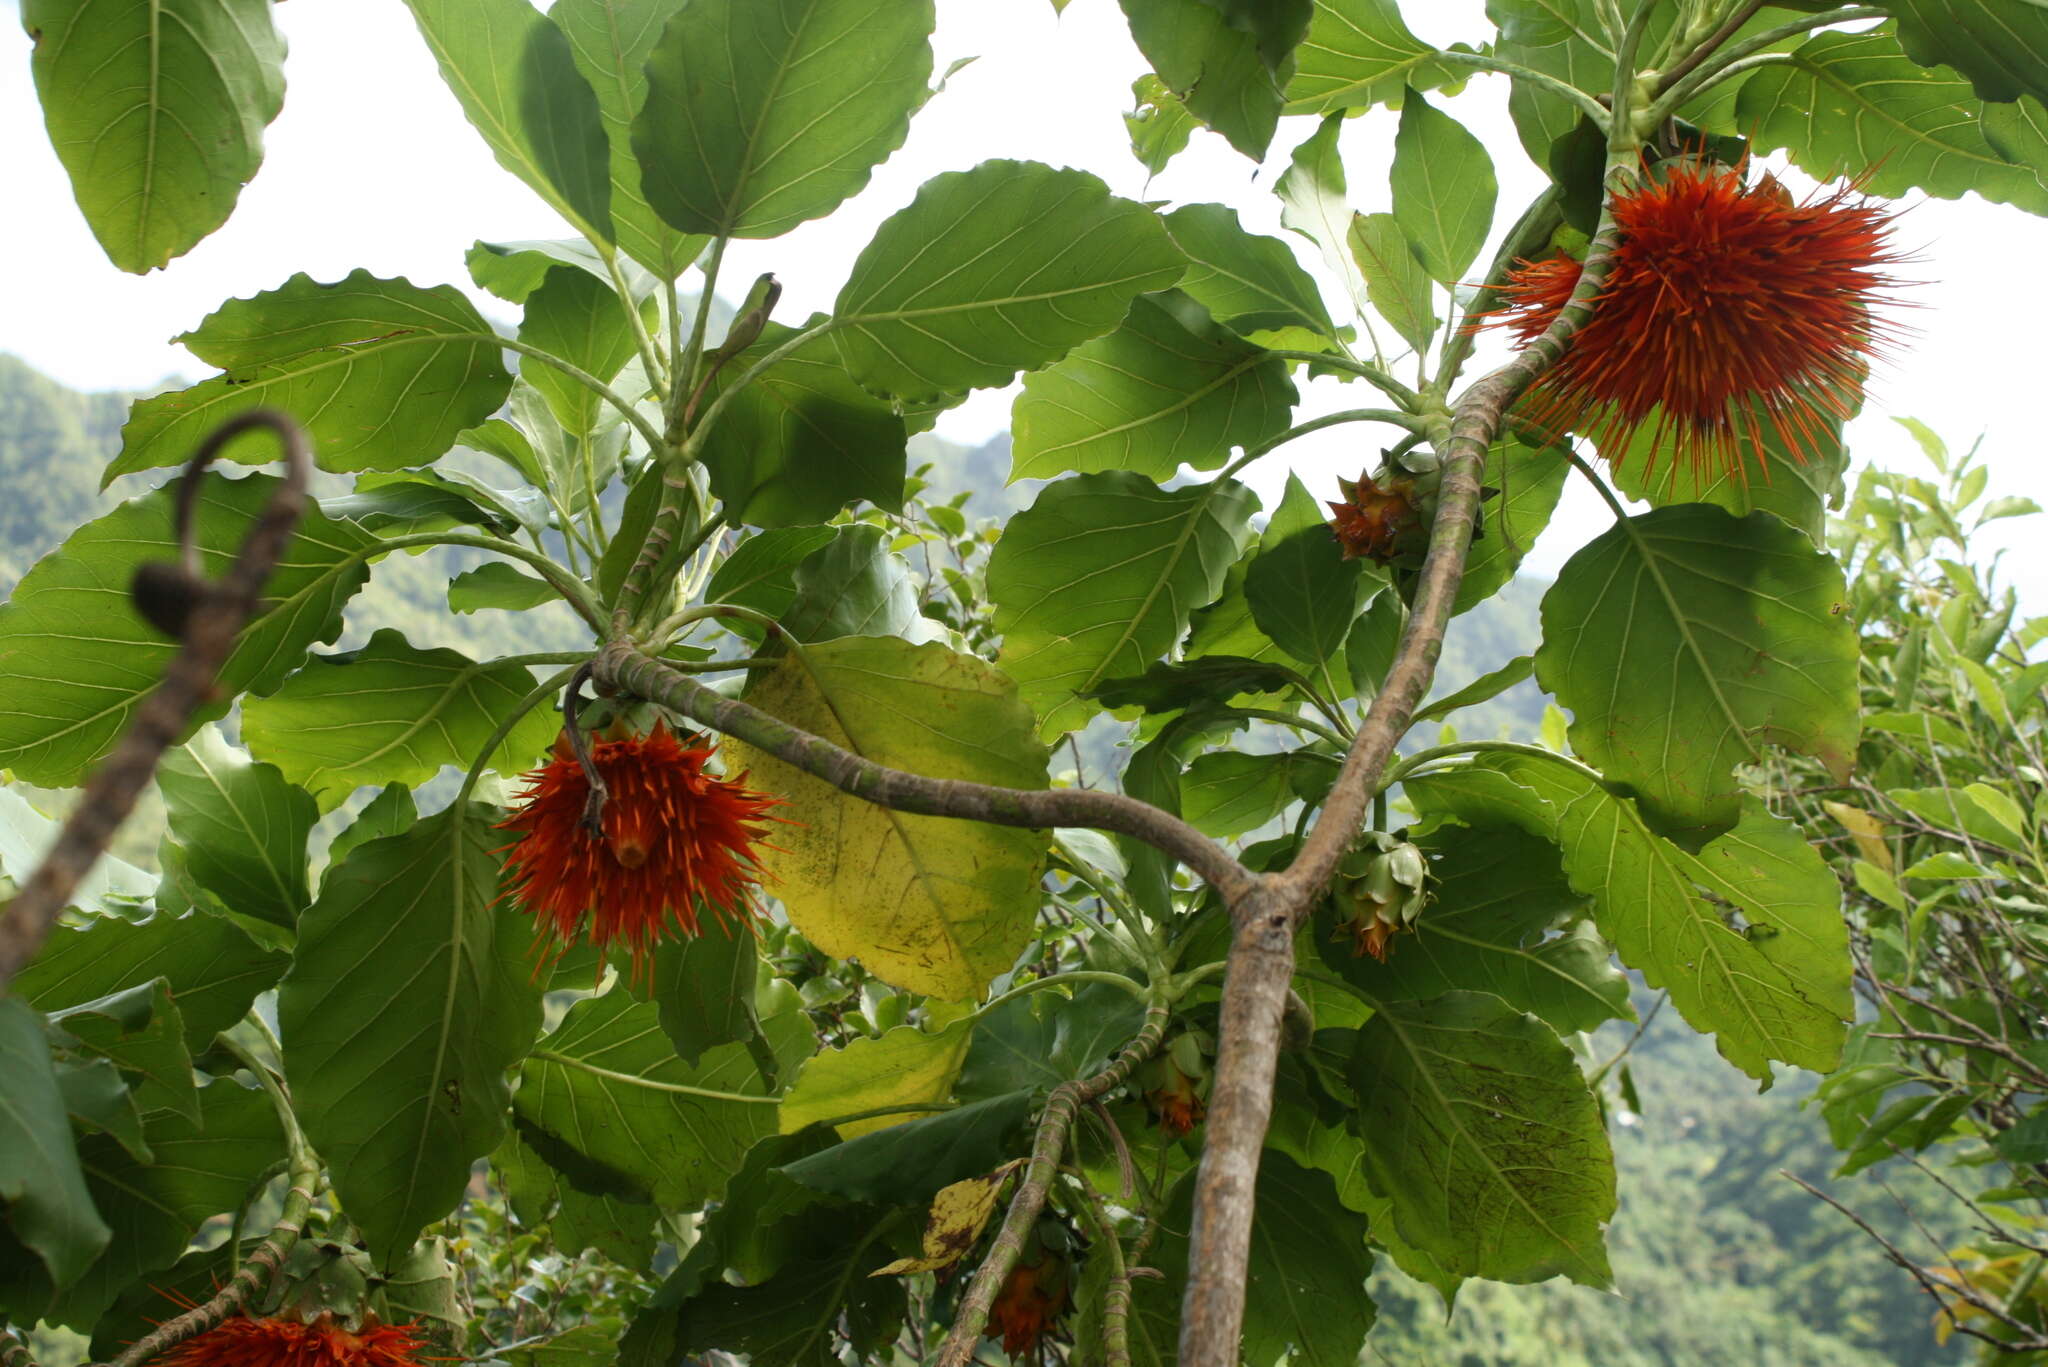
x=279, y=1341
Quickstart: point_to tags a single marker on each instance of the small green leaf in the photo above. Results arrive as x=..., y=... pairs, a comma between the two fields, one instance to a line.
x=1396, y=283
x=1095, y=581
x=1945, y=864
x=47, y=1205
x=854, y=585
x=1159, y=125
x=400, y=503
x=1225, y=794
x=579, y=319
x=511, y=70
x=1444, y=190
x=157, y=111
x=500, y=585
x=1482, y=689
x=1530, y=480
x=1227, y=68
x=382, y=373
x=1171, y=686
x=409, y=997
x=1016, y=262
x=1248, y=282
x=26, y=836
x=392, y=713
x=703, y=989
x=243, y=826
x=514, y=270
x=1038, y=1041
x=140, y=1030
x=1312, y=194
x=1486, y=1138
x=1167, y=388
x=761, y=116
x=760, y=573
x=1358, y=54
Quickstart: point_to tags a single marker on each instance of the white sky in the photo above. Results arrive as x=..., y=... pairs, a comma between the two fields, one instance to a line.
x=371, y=165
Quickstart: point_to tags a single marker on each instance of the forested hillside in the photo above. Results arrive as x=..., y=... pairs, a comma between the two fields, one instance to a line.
x=1718, y=1259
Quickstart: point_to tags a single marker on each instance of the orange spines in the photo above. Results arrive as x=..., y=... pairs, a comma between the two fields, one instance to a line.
x=1377, y=522
x=324, y=1341
x=1729, y=308
x=676, y=839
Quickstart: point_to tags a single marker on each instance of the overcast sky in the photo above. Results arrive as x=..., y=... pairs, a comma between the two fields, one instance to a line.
x=371, y=165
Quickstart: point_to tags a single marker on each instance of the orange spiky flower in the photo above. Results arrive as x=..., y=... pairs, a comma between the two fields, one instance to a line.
x=676, y=838
x=1378, y=522
x=1033, y=1298
x=324, y=1341
x=1729, y=307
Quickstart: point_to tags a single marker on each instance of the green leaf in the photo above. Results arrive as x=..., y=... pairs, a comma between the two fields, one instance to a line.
x=1854, y=104
x=26, y=836
x=1683, y=640
x=382, y=373
x=76, y=661
x=995, y=270
x=755, y=1228
x=1396, y=283
x=1482, y=689
x=927, y=903
x=854, y=585
x=607, y=1083
x=514, y=270
x=1312, y=194
x=1305, y=1284
x=201, y=1170
x=1226, y=794
x=46, y=1202
x=763, y=115
x=1159, y=125
x=703, y=989
x=243, y=826
x=1486, y=1138
x=410, y=995
x=1498, y=894
x=99, y=1098
x=1248, y=282
x=1040, y=1040
x=760, y=573
x=622, y=1230
x=140, y=1030
x=214, y=969
x=390, y=812
x=1444, y=190
x=1227, y=71
x=907, y=1066
x=581, y=320
x=1358, y=54
x=610, y=41
x=497, y=584
x=2000, y=45
x=1167, y=388
x=511, y=70
x=909, y=1163
x=392, y=713
x=1303, y=592
x=1174, y=686
x=1531, y=480
x=157, y=111
x=1777, y=987
x=1095, y=580
x=803, y=440
x=403, y=502
x=1945, y=864
x=1772, y=477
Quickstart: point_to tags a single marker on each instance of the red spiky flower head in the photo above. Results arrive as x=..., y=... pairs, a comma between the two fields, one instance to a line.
x=676, y=838
x=324, y=1341
x=1729, y=307
x=1377, y=522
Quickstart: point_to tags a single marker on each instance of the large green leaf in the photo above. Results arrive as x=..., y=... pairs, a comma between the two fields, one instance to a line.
x=928, y=903
x=1096, y=579
x=139, y=1030
x=76, y=660
x=2001, y=45
x=1314, y=202
x=1444, y=190
x=1358, y=54
x=854, y=585
x=1227, y=71
x=1747, y=934
x=1854, y=104
x=1227, y=794
x=1799, y=486
x=382, y=373
x=910, y=1163
x=803, y=440
x=214, y=969
x=1167, y=388
x=1038, y=1041
x=703, y=989
x=202, y=1169
x=1304, y=593
x=1305, y=1285
x=392, y=713
x=611, y=40
x=1530, y=480
x=578, y=318
x=1498, y=893
x=992, y=271
x=43, y=1189
x=511, y=70
x=762, y=115
x=1248, y=282
x=243, y=826
x=157, y=110
x=26, y=835
x=607, y=1084
x=907, y=1066
x=410, y=995
x=1683, y=640
x=1486, y=1138
x=622, y=1230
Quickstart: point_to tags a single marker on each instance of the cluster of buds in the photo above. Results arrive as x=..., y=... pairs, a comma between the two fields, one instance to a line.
x=1380, y=891
x=1037, y=1291
x=1176, y=1083
x=1380, y=519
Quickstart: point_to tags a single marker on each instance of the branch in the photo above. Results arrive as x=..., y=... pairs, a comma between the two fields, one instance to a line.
x=625, y=666
x=209, y=616
x=1053, y=1124
x=13, y=1352
x=1262, y=948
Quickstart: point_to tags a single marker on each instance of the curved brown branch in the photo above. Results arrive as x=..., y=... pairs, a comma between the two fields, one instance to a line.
x=13, y=1352
x=1060, y=1108
x=211, y=616
x=625, y=666
x=1262, y=950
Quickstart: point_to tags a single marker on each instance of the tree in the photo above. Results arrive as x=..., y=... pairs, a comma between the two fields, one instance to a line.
x=1041, y=1031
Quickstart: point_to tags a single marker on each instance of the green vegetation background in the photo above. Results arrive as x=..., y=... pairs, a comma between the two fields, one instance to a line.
x=1718, y=1258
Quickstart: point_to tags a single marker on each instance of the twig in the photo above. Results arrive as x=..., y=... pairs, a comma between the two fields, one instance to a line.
x=13, y=1352
x=1051, y=1142
x=211, y=616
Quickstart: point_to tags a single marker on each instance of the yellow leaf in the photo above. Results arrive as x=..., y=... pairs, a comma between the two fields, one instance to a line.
x=1866, y=830
x=959, y=1213
x=902, y=1068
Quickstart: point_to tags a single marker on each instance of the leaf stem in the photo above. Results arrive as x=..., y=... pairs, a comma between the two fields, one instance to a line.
x=651, y=1085
x=573, y=590
x=1079, y=975
x=548, y=358
x=1408, y=399
x=1708, y=66
x=540, y=693
x=1539, y=80
x=684, y=380
x=643, y=341
x=1387, y=415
